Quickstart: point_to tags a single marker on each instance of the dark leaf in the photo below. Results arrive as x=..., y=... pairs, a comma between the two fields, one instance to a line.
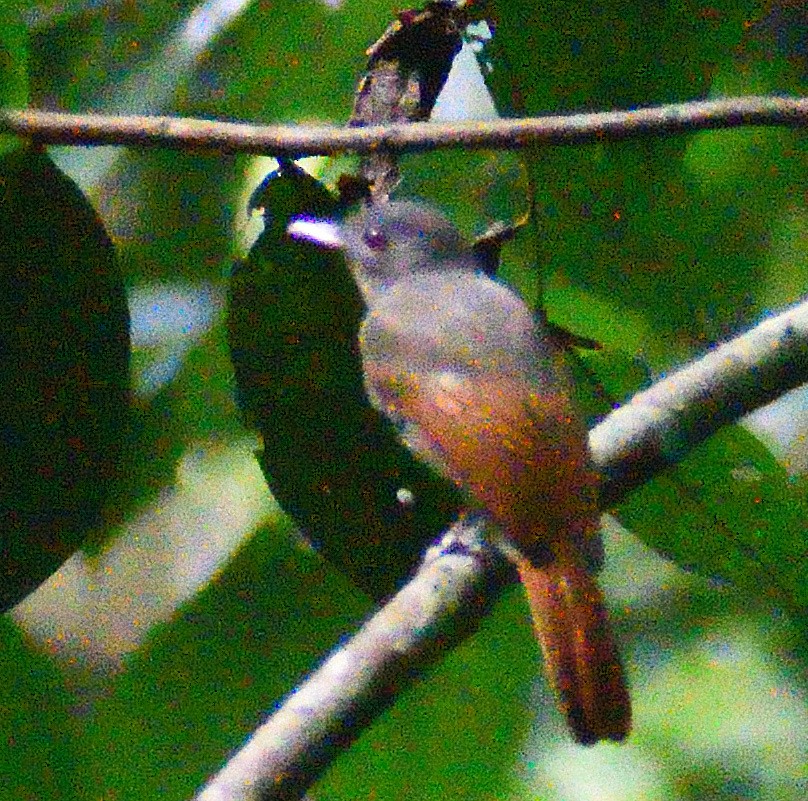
x=330, y=460
x=64, y=364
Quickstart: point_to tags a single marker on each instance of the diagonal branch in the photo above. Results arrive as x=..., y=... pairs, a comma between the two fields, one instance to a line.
x=182, y=133
x=436, y=610
x=660, y=425
x=462, y=577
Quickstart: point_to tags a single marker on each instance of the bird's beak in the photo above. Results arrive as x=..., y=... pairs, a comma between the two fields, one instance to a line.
x=325, y=233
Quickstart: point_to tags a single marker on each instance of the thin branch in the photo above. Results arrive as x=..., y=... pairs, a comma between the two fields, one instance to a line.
x=182, y=133
x=462, y=577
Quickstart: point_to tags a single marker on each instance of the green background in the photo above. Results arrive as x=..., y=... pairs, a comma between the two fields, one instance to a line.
x=147, y=663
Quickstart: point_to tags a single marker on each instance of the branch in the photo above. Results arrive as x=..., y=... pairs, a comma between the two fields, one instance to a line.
x=434, y=612
x=181, y=133
x=660, y=425
x=462, y=577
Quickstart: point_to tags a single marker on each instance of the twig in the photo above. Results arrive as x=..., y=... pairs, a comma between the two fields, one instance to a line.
x=283, y=140
x=407, y=68
x=433, y=613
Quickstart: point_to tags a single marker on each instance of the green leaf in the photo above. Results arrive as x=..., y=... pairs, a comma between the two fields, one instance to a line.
x=286, y=61
x=688, y=217
x=13, y=68
x=37, y=729
x=552, y=56
x=730, y=511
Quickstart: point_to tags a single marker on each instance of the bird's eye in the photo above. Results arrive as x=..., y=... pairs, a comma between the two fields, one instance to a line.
x=375, y=238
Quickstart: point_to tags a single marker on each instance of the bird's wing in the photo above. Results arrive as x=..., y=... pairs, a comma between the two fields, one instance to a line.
x=516, y=447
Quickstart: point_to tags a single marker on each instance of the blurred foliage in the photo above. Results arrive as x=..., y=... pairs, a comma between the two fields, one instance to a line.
x=749, y=513
x=199, y=685
x=37, y=729
x=655, y=248
x=684, y=217
x=64, y=363
x=13, y=67
x=282, y=62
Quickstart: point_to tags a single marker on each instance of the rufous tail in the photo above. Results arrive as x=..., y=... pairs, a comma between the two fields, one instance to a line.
x=581, y=660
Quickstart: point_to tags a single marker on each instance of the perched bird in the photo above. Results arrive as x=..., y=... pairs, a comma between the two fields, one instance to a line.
x=477, y=391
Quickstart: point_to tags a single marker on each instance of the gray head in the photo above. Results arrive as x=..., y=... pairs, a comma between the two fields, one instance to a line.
x=399, y=239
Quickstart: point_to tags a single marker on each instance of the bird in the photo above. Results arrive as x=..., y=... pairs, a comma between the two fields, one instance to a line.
x=479, y=392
